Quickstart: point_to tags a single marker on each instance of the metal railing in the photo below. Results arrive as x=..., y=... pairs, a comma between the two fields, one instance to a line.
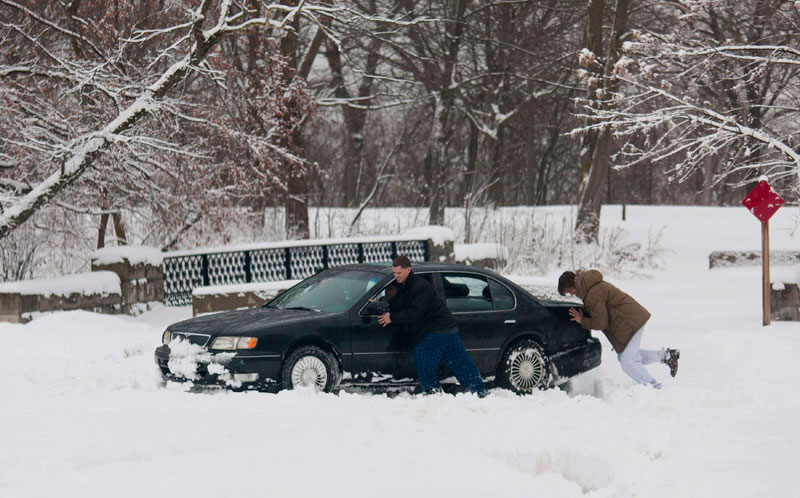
x=183, y=272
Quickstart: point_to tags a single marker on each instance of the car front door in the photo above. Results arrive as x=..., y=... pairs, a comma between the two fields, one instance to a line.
x=381, y=353
x=485, y=312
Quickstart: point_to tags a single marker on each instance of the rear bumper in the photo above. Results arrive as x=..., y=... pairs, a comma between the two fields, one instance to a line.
x=267, y=367
x=582, y=358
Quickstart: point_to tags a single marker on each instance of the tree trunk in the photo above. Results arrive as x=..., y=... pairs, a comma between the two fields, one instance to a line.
x=594, y=152
x=587, y=224
x=540, y=197
x=296, y=199
x=471, y=192
x=443, y=109
x=119, y=229
x=438, y=156
x=354, y=120
x=101, y=232
x=496, y=189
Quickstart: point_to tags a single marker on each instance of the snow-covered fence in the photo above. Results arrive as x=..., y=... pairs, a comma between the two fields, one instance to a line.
x=724, y=259
x=186, y=270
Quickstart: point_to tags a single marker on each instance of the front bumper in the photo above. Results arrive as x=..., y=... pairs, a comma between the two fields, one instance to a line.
x=266, y=366
x=579, y=359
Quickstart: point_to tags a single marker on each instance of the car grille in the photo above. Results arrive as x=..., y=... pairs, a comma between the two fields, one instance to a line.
x=199, y=339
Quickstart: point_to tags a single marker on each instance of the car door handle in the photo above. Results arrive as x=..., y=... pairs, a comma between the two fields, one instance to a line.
x=510, y=322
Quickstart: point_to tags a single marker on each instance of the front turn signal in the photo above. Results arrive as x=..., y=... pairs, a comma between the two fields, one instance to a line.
x=247, y=343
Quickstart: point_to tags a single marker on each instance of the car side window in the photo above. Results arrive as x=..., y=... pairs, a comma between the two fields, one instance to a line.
x=502, y=297
x=382, y=294
x=466, y=293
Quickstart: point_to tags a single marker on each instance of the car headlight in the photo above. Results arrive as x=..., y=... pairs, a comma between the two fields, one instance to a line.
x=231, y=343
x=166, y=337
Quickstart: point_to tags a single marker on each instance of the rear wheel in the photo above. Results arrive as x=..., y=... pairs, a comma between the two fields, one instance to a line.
x=311, y=366
x=525, y=368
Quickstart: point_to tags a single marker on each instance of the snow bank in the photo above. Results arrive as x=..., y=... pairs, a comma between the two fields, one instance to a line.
x=135, y=255
x=435, y=233
x=96, y=282
x=185, y=357
x=782, y=275
x=475, y=252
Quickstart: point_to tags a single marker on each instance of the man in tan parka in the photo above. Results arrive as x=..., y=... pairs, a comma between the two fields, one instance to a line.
x=621, y=319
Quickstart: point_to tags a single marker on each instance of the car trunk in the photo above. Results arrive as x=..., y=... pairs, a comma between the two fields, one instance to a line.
x=573, y=332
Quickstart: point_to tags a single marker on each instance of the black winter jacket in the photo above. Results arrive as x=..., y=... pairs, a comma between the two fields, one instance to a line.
x=417, y=307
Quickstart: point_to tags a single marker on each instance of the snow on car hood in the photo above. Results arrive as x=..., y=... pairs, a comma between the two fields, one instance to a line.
x=244, y=321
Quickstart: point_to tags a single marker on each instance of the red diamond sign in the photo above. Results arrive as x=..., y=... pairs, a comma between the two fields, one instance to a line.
x=762, y=201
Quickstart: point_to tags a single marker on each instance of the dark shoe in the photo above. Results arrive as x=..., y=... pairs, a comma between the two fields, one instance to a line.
x=671, y=360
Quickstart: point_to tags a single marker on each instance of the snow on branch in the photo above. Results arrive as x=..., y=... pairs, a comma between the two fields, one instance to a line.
x=72, y=158
x=683, y=129
x=690, y=98
x=51, y=24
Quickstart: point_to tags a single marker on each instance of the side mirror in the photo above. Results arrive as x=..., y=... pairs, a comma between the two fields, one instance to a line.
x=376, y=308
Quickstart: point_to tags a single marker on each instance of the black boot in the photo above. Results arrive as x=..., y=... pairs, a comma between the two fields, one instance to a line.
x=671, y=360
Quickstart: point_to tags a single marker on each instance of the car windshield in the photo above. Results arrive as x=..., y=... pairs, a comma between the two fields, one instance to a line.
x=331, y=291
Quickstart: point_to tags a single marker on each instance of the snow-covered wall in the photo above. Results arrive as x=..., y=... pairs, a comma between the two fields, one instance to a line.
x=135, y=255
x=121, y=278
x=96, y=282
x=217, y=298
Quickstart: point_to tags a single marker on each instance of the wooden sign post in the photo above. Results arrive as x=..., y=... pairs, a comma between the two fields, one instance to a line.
x=765, y=280
x=763, y=202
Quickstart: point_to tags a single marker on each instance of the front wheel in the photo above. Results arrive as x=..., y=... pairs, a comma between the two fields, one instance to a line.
x=311, y=366
x=525, y=368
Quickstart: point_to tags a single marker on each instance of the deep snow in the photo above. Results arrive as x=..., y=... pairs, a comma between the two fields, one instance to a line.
x=83, y=412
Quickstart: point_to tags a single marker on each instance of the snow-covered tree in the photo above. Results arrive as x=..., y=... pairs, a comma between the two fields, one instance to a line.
x=79, y=80
x=715, y=92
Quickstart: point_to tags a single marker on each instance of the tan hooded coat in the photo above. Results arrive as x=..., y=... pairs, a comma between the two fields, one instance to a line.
x=617, y=314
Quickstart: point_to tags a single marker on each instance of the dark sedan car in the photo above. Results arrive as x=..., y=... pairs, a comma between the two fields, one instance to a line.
x=324, y=332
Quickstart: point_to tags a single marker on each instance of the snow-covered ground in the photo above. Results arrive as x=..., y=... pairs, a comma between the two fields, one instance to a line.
x=83, y=413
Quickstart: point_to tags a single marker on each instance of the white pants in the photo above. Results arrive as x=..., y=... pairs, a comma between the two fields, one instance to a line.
x=633, y=360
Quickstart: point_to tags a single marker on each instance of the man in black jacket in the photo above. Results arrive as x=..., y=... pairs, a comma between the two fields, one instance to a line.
x=424, y=315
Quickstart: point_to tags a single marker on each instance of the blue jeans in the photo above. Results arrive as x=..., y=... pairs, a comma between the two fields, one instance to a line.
x=448, y=347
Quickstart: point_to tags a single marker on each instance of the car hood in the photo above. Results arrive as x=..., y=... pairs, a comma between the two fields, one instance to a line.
x=245, y=321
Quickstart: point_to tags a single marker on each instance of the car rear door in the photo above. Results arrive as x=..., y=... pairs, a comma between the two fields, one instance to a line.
x=485, y=311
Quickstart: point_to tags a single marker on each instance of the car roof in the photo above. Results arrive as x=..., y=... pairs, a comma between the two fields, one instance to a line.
x=416, y=266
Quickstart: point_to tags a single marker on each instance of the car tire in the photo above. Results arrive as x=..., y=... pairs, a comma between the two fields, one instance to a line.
x=311, y=366
x=525, y=369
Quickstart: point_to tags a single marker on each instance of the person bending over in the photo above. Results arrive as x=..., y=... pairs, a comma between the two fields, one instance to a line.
x=621, y=319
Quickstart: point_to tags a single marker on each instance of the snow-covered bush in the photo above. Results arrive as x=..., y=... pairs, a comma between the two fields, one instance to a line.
x=539, y=244
x=539, y=240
